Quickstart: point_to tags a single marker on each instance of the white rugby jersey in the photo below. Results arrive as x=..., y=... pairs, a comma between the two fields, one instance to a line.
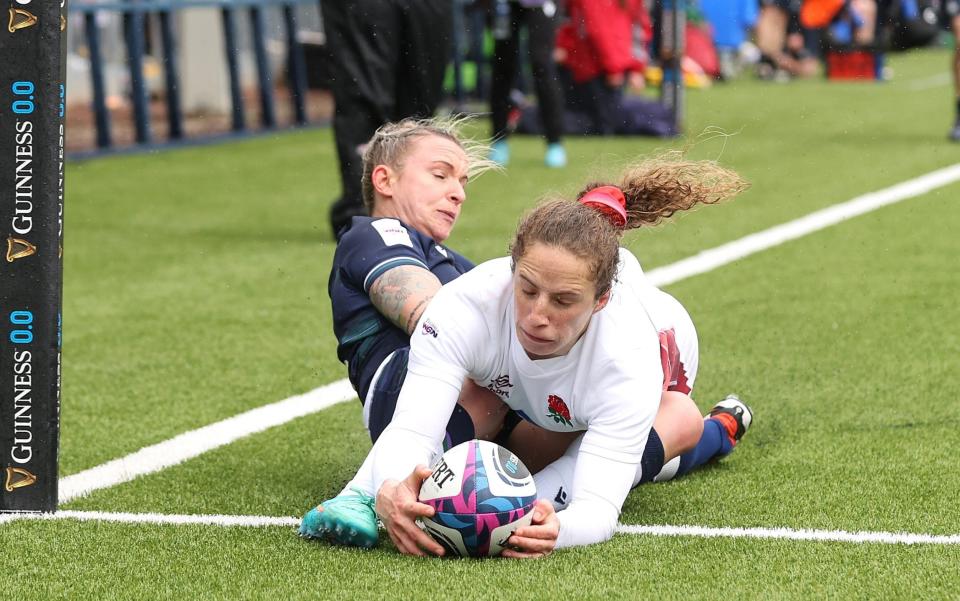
x=608, y=385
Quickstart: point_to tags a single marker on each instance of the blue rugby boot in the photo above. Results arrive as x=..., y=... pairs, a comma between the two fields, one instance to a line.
x=348, y=520
x=556, y=157
x=500, y=153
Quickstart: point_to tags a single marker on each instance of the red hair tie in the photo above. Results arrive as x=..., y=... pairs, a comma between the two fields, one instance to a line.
x=610, y=201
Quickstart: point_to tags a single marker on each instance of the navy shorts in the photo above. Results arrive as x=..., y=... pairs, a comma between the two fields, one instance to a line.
x=383, y=397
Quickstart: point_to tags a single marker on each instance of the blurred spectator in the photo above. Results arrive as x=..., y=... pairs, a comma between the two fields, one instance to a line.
x=913, y=23
x=539, y=17
x=786, y=49
x=847, y=23
x=602, y=51
x=731, y=21
x=699, y=46
x=389, y=58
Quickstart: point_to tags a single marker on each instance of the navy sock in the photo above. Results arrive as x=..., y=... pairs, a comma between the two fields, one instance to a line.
x=651, y=462
x=713, y=443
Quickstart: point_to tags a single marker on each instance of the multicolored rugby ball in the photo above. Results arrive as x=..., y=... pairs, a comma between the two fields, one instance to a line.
x=481, y=493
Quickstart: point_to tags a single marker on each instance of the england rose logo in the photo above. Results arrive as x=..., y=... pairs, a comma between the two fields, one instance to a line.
x=558, y=410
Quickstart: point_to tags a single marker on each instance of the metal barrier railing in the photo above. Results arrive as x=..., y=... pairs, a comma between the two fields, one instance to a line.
x=135, y=12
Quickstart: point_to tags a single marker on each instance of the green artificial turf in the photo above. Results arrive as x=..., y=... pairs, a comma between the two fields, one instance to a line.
x=195, y=288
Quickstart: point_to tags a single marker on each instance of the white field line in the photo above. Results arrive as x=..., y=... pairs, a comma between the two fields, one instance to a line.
x=261, y=521
x=840, y=536
x=930, y=82
x=196, y=442
x=727, y=253
x=165, y=519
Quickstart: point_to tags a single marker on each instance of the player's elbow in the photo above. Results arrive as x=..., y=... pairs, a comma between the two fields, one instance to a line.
x=587, y=524
x=607, y=526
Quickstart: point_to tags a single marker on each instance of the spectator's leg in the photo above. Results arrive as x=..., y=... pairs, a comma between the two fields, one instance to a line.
x=504, y=71
x=542, y=30
x=772, y=32
x=362, y=45
x=866, y=11
x=425, y=51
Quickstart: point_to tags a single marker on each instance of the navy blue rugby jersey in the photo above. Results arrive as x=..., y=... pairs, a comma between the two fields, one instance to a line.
x=366, y=250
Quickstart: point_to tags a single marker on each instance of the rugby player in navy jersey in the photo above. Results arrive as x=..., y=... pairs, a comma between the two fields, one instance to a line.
x=388, y=266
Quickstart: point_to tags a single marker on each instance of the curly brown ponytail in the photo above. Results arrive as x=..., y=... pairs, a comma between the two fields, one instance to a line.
x=657, y=188
x=653, y=190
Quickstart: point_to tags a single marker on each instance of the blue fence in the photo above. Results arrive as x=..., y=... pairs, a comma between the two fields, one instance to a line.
x=234, y=16
x=135, y=12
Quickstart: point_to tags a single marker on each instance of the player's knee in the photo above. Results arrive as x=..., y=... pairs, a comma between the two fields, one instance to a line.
x=679, y=424
x=485, y=409
x=690, y=426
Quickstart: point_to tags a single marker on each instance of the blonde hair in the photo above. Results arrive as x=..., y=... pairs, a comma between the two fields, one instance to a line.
x=654, y=189
x=392, y=141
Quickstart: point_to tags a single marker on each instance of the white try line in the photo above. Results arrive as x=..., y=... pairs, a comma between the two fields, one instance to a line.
x=263, y=521
x=196, y=442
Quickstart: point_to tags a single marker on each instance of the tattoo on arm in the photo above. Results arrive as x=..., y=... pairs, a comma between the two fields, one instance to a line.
x=414, y=314
x=402, y=293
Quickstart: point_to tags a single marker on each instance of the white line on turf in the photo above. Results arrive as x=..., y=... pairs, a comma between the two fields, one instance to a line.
x=191, y=444
x=928, y=83
x=260, y=521
x=842, y=536
x=196, y=442
x=818, y=220
x=163, y=519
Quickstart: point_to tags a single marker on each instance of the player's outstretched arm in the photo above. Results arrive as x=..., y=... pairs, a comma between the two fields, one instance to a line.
x=402, y=293
x=399, y=509
x=539, y=538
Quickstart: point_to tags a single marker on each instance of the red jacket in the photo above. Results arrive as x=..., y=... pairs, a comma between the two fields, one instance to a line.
x=599, y=39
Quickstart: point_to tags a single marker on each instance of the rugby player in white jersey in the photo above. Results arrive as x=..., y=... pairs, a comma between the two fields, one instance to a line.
x=564, y=344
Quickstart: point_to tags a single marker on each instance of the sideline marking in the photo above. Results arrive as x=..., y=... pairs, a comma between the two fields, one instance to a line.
x=263, y=521
x=709, y=260
x=839, y=536
x=930, y=82
x=196, y=442
x=165, y=519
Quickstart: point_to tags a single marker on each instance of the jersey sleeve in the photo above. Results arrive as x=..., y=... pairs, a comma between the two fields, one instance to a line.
x=612, y=447
x=370, y=250
x=600, y=487
x=442, y=354
x=627, y=400
x=451, y=337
